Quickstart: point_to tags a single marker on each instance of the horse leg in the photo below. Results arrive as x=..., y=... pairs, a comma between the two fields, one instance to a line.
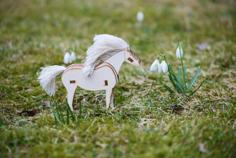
x=108, y=97
x=70, y=95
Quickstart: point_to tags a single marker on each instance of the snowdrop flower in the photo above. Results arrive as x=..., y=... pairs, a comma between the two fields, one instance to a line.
x=67, y=58
x=73, y=56
x=140, y=16
x=154, y=66
x=159, y=67
x=179, y=52
x=164, y=66
x=159, y=70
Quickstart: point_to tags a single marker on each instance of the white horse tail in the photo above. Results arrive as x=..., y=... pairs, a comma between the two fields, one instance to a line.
x=47, y=78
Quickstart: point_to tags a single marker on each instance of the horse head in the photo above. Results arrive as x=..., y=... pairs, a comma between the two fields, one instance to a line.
x=131, y=58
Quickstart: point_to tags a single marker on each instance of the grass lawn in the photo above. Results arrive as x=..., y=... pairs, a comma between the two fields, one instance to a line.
x=145, y=122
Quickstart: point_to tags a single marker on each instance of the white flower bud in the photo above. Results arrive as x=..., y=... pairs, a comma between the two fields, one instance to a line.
x=72, y=56
x=139, y=16
x=179, y=52
x=164, y=66
x=154, y=66
x=67, y=58
x=159, y=70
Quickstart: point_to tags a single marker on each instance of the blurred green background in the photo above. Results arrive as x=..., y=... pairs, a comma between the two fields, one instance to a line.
x=36, y=33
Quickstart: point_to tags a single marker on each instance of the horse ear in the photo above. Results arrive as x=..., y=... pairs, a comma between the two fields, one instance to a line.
x=131, y=51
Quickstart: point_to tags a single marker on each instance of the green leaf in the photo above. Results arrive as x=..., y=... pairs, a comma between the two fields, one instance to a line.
x=193, y=92
x=177, y=85
x=171, y=70
x=185, y=74
x=195, y=77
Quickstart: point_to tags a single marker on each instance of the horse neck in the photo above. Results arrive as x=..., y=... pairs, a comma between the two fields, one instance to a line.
x=116, y=61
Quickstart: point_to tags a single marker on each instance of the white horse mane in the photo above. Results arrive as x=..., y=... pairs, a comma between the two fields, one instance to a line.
x=104, y=46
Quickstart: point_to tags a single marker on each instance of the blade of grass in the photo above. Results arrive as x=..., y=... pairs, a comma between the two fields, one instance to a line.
x=71, y=114
x=56, y=114
x=169, y=89
x=61, y=115
x=55, y=117
x=67, y=115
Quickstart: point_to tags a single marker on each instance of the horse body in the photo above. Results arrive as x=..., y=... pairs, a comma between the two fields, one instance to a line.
x=75, y=76
x=104, y=77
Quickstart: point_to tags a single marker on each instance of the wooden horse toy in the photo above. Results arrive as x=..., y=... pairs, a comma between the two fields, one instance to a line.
x=99, y=71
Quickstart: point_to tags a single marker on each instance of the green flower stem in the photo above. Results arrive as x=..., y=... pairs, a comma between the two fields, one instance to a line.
x=184, y=77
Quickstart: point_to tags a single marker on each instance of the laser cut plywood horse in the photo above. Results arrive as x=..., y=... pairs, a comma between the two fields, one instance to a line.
x=99, y=71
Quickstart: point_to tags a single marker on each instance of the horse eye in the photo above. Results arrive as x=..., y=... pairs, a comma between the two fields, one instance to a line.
x=131, y=60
